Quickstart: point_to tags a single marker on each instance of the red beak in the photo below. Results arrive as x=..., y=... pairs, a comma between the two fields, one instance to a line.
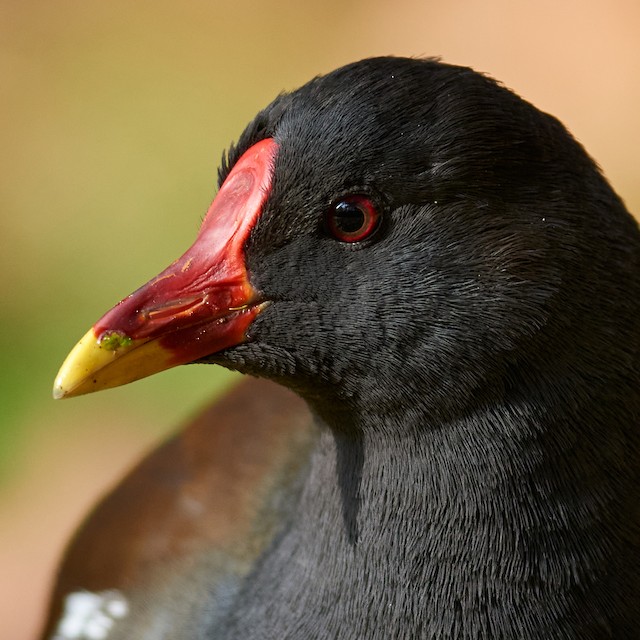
x=199, y=305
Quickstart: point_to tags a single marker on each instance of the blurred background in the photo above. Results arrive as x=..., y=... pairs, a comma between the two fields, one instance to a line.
x=113, y=119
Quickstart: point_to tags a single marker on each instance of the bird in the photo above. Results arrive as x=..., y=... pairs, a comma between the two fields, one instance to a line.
x=446, y=281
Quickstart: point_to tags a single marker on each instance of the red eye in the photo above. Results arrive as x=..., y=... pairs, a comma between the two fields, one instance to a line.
x=353, y=218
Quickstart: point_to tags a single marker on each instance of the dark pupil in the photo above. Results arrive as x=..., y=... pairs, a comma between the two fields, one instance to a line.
x=349, y=217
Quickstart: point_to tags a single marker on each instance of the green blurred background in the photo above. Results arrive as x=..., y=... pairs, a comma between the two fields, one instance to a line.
x=113, y=119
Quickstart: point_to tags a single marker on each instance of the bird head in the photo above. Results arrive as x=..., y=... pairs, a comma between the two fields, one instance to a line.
x=398, y=226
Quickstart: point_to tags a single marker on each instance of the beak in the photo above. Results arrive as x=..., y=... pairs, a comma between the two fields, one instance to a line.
x=201, y=304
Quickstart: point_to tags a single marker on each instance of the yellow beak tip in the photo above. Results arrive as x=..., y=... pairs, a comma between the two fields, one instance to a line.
x=91, y=365
x=58, y=391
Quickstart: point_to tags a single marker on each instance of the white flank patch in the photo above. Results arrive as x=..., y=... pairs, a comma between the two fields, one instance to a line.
x=90, y=616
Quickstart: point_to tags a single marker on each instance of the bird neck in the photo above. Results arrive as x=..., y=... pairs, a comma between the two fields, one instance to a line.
x=499, y=523
x=509, y=515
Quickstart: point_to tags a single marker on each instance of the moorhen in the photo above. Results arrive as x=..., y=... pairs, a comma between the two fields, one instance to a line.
x=443, y=275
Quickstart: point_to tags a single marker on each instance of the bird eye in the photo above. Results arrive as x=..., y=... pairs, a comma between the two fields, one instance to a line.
x=352, y=218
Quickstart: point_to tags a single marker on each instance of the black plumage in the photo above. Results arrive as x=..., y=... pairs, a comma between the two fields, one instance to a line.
x=472, y=368
x=476, y=364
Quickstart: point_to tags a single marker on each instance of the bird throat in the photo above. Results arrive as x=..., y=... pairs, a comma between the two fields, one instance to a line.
x=476, y=527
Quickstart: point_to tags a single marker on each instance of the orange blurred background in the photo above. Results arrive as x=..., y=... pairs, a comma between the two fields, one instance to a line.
x=114, y=116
